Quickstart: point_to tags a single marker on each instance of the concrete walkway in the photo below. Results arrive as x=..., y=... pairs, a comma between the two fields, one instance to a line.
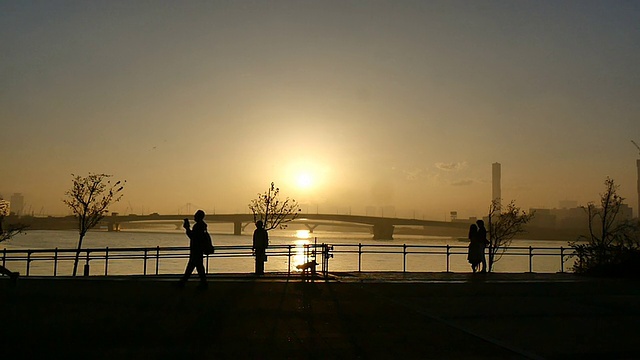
x=354, y=315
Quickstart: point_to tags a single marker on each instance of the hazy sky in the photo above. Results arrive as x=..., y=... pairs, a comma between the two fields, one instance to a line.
x=403, y=103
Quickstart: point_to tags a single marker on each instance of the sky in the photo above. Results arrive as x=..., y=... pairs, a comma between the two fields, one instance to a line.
x=343, y=104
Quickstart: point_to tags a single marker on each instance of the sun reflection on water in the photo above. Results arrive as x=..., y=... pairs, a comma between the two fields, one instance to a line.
x=301, y=254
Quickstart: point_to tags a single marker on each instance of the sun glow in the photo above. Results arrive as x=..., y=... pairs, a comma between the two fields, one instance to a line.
x=304, y=180
x=301, y=253
x=303, y=234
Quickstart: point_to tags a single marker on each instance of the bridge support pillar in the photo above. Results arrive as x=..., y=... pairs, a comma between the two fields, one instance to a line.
x=237, y=228
x=311, y=227
x=113, y=226
x=383, y=231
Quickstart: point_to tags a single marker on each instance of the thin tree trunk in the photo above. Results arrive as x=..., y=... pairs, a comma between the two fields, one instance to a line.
x=77, y=259
x=490, y=265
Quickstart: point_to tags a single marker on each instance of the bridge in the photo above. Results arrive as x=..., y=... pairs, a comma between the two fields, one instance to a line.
x=382, y=227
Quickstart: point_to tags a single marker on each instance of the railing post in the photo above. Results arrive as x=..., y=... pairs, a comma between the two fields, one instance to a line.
x=157, y=259
x=530, y=259
x=404, y=258
x=86, y=265
x=323, y=258
x=144, y=271
x=326, y=255
x=448, y=254
x=289, y=260
x=28, y=261
x=4, y=257
x=359, y=257
x=106, y=261
x=561, y=259
x=55, y=262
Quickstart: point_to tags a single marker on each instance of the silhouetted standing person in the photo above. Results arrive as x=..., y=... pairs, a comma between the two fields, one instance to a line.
x=260, y=243
x=474, y=254
x=482, y=243
x=196, y=248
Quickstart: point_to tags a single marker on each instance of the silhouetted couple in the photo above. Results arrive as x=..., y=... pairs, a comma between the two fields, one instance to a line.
x=198, y=240
x=477, y=243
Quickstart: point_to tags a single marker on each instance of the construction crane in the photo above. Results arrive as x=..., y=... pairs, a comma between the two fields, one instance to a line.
x=638, y=147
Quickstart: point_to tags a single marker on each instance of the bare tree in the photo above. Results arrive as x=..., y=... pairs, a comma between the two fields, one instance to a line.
x=7, y=233
x=89, y=199
x=273, y=212
x=504, y=225
x=610, y=237
x=12, y=229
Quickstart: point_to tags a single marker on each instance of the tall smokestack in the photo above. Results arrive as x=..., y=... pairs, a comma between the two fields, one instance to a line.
x=496, y=193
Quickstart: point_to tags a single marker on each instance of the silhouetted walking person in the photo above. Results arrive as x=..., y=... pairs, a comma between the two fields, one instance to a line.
x=483, y=242
x=197, y=239
x=260, y=244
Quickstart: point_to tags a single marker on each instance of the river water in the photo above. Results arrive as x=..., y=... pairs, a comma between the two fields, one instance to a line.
x=424, y=253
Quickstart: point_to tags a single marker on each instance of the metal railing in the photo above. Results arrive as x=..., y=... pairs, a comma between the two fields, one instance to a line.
x=448, y=251
x=154, y=256
x=321, y=253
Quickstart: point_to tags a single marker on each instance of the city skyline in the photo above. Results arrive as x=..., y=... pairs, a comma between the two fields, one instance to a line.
x=341, y=104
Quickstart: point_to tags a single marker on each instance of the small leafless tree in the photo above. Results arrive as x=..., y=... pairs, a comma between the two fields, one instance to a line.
x=89, y=199
x=273, y=211
x=503, y=225
x=7, y=233
x=11, y=230
x=609, y=236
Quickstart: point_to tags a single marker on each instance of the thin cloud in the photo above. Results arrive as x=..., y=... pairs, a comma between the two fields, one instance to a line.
x=451, y=166
x=414, y=174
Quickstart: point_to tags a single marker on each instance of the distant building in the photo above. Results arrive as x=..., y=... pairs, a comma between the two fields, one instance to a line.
x=17, y=204
x=543, y=218
x=567, y=204
x=570, y=218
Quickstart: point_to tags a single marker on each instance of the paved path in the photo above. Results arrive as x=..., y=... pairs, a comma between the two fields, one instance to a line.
x=355, y=315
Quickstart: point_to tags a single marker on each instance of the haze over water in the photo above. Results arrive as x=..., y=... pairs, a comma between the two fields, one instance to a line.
x=344, y=104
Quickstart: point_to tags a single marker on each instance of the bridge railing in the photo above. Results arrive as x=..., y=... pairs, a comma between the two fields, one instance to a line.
x=150, y=260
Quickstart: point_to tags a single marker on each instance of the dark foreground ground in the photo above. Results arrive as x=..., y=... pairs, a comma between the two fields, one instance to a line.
x=387, y=316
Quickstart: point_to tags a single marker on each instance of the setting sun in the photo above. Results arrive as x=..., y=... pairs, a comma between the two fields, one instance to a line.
x=304, y=181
